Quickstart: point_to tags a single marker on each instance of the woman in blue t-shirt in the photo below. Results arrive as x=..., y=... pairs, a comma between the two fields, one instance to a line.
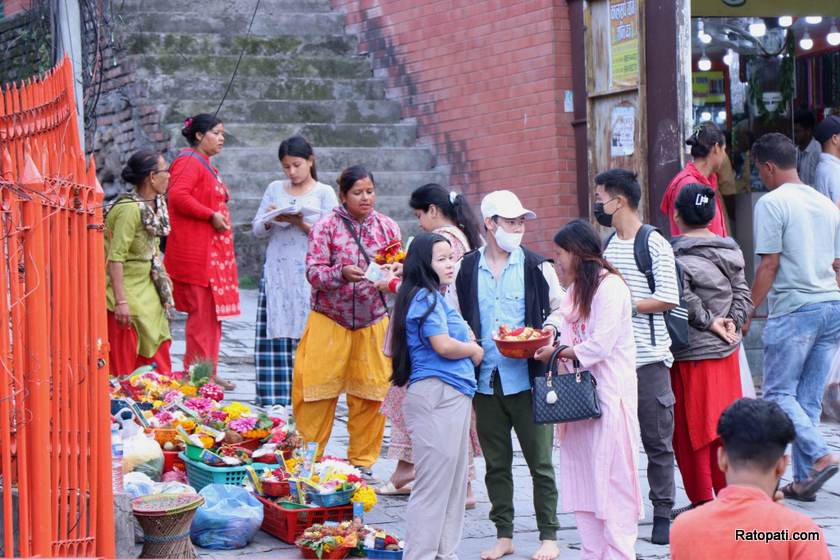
x=434, y=352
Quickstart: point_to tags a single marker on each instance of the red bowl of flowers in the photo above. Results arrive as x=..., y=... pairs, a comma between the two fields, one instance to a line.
x=521, y=342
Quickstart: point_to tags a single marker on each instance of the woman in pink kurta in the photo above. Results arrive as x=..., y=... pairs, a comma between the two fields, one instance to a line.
x=598, y=465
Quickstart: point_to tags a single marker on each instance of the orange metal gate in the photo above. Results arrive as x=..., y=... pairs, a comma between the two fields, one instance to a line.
x=54, y=404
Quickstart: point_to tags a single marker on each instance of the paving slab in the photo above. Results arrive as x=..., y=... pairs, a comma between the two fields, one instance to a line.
x=479, y=534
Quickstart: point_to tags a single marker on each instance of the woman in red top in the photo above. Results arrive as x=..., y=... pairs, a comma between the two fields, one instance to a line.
x=341, y=347
x=199, y=252
x=708, y=151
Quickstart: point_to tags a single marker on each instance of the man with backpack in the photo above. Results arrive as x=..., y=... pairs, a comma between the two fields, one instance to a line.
x=646, y=261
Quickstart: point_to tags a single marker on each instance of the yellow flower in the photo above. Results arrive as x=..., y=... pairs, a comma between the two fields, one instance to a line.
x=365, y=495
x=158, y=404
x=189, y=390
x=236, y=409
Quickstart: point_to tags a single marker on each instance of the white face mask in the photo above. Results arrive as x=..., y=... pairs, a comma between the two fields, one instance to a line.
x=508, y=242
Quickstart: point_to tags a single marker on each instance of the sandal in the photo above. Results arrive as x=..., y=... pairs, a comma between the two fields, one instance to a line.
x=790, y=493
x=225, y=384
x=391, y=490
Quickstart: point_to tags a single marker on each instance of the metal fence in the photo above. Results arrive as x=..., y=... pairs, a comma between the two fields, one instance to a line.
x=54, y=403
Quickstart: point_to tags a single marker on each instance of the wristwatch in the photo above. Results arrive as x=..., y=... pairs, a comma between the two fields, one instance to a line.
x=635, y=309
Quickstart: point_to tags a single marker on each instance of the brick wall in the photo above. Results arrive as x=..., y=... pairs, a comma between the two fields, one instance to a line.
x=485, y=81
x=125, y=121
x=25, y=45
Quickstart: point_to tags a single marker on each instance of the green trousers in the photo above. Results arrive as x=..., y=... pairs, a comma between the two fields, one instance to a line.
x=495, y=416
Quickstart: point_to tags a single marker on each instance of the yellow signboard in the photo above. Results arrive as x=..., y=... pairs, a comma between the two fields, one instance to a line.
x=624, y=43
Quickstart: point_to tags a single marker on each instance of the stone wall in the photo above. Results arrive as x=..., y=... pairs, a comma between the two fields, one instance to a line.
x=486, y=82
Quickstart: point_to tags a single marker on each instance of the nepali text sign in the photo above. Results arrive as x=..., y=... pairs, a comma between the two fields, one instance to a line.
x=624, y=43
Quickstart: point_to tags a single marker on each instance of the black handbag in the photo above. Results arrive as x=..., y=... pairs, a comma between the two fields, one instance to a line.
x=564, y=397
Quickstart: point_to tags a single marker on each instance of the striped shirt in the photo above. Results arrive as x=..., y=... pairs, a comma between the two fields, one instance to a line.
x=620, y=254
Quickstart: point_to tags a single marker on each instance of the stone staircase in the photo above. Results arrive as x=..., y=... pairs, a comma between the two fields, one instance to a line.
x=300, y=75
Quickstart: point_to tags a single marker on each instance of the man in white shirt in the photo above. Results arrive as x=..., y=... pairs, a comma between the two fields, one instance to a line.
x=827, y=180
x=617, y=195
x=807, y=149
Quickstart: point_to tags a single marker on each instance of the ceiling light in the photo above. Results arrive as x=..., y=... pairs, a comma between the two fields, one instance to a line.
x=705, y=116
x=729, y=57
x=721, y=116
x=833, y=36
x=758, y=28
x=813, y=20
x=806, y=42
x=785, y=21
x=704, y=64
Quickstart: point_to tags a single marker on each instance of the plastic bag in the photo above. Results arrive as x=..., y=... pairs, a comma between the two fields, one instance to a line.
x=143, y=454
x=229, y=518
x=138, y=484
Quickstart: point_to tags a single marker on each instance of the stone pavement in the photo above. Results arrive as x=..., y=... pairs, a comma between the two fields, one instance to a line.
x=237, y=365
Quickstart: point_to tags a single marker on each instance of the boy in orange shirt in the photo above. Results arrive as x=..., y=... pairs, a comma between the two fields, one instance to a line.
x=745, y=521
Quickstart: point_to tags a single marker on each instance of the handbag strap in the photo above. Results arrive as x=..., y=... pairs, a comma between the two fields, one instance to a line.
x=358, y=241
x=556, y=356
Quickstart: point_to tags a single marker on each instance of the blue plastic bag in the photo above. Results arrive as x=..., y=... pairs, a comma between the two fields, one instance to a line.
x=229, y=518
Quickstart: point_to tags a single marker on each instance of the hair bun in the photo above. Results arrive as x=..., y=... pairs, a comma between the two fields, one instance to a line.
x=692, y=140
x=129, y=176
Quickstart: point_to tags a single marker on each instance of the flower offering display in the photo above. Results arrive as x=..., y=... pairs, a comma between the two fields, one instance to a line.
x=324, y=540
x=391, y=253
x=352, y=536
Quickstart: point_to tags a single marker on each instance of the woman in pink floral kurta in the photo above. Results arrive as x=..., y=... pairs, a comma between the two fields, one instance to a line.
x=341, y=347
x=598, y=465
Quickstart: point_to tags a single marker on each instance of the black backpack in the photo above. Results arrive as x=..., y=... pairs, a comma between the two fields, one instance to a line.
x=676, y=319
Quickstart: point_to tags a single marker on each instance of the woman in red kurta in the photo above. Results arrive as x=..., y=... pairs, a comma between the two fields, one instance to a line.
x=199, y=252
x=708, y=151
x=706, y=376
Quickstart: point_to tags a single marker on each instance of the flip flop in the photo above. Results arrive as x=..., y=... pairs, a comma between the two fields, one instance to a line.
x=391, y=490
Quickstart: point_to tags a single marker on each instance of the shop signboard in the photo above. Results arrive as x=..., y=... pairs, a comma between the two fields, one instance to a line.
x=624, y=43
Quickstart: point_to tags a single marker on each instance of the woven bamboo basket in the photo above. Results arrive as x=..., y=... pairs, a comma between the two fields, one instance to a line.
x=166, y=520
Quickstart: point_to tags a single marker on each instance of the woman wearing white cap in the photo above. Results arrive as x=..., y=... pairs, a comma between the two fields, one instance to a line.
x=504, y=283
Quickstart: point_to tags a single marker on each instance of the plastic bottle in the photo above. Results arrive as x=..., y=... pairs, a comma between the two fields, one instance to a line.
x=116, y=459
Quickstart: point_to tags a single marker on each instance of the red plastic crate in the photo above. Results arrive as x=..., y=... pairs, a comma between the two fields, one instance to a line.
x=288, y=524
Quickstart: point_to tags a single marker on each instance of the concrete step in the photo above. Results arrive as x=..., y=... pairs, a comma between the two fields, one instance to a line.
x=361, y=135
x=284, y=23
x=226, y=8
x=252, y=184
x=286, y=111
x=260, y=67
x=153, y=42
x=238, y=160
x=178, y=86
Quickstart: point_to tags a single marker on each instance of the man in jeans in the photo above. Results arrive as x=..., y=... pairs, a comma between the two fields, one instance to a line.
x=797, y=236
x=617, y=195
x=505, y=284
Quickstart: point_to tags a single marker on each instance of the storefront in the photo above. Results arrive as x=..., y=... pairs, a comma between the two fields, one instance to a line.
x=646, y=73
x=760, y=67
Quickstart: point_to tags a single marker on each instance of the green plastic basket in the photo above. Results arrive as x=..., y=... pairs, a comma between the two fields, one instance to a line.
x=200, y=475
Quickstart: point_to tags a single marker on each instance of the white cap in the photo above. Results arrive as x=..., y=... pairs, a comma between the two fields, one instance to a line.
x=504, y=204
